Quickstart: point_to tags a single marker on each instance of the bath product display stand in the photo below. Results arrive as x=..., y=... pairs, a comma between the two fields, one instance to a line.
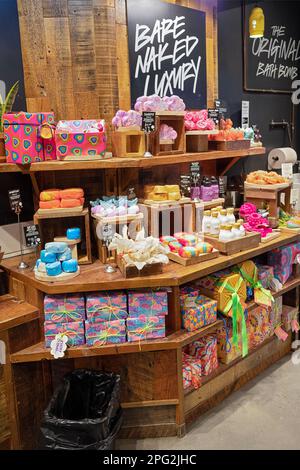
x=197, y=141
x=195, y=259
x=274, y=196
x=71, y=243
x=175, y=120
x=60, y=278
x=224, y=145
x=128, y=142
x=250, y=240
x=166, y=219
x=83, y=258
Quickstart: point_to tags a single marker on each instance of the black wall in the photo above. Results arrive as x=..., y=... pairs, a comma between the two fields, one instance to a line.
x=11, y=70
x=263, y=106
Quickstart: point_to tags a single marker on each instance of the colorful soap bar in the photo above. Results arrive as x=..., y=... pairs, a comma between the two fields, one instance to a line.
x=54, y=269
x=145, y=327
x=106, y=306
x=65, y=256
x=186, y=239
x=147, y=302
x=70, y=266
x=73, y=233
x=197, y=311
x=56, y=247
x=101, y=333
x=74, y=331
x=63, y=308
x=166, y=239
x=47, y=256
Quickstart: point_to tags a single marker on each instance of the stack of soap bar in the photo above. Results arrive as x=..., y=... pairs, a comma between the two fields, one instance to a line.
x=61, y=199
x=73, y=233
x=106, y=306
x=55, y=259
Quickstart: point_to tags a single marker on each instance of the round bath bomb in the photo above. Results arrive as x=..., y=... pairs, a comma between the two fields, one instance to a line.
x=65, y=256
x=56, y=247
x=47, y=256
x=53, y=269
x=70, y=266
x=73, y=233
x=204, y=247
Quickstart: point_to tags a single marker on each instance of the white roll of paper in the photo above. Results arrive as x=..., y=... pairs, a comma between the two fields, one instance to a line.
x=281, y=155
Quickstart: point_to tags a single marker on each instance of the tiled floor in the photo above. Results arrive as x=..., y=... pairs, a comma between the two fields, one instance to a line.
x=265, y=414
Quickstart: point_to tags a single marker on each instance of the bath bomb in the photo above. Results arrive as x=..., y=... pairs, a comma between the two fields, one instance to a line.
x=70, y=266
x=47, y=256
x=53, y=269
x=56, y=247
x=65, y=256
x=73, y=233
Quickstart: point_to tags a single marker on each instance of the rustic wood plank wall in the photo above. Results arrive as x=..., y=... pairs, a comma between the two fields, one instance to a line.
x=75, y=55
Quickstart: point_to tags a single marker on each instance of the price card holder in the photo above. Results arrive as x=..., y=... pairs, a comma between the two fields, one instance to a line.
x=148, y=126
x=214, y=114
x=32, y=236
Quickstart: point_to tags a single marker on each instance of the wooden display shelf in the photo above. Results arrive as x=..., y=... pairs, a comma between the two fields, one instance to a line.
x=177, y=340
x=14, y=312
x=117, y=163
x=93, y=277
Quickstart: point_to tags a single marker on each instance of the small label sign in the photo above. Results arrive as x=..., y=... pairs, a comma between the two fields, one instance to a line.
x=214, y=114
x=32, y=235
x=58, y=346
x=15, y=201
x=148, y=121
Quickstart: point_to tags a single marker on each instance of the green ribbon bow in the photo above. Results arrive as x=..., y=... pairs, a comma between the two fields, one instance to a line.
x=256, y=284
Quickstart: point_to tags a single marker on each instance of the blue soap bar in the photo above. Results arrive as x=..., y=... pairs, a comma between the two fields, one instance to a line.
x=73, y=233
x=65, y=256
x=56, y=247
x=70, y=266
x=48, y=256
x=53, y=269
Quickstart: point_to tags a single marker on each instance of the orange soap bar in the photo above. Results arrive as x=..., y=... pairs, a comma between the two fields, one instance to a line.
x=69, y=203
x=49, y=204
x=72, y=193
x=50, y=195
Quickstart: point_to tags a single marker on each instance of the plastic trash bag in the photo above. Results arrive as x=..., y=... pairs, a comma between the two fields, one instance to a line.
x=84, y=412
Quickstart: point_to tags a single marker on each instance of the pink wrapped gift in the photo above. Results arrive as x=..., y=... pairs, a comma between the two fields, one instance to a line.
x=191, y=372
x=260, y=327
x=147, y=302
x=282, y=259
x=24, y=135
x=197, y=311
x=106, y=306
x=74, y=330
x=265, y=276
x=64, y=308
x=84, y=138
x=205, y=349
x=101, y=333
x=145, y=327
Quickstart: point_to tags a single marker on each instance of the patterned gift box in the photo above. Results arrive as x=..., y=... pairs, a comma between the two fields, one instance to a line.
x=223, y=287
x=145, y=327
x=106, y=306
x=266, y=275
x=147, y=302
x=282, y=259
x=197, y=311
x=64, y=308
x=101, y=333
x=228, y=351
x=191, y=372
x=206, y=350
x=80, y=138
x=74, y=330
x=249, y=272
x=260, y=327
x=276, y=313
x=288, y=315
x=23, y=137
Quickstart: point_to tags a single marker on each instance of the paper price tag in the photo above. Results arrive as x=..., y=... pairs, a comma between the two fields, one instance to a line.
x=281, y=334
x=15, y=201
x=32, y=235
x=148, y=121
x=59, y=346
x=287, y=170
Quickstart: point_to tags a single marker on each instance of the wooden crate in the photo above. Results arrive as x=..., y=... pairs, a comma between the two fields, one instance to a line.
x=250, y=240
x=270, y=195
x=167, y=219
x=131, y=271
x=196, y=259
x=59, y=225
x=175, y=120
x=128, y=143
x=197, y=141
x=229, y=144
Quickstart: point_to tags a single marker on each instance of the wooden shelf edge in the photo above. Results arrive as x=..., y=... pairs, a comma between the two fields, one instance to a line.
x=114, y=162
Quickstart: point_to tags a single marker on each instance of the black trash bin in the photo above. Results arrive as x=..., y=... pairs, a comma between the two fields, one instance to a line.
x=84, y=412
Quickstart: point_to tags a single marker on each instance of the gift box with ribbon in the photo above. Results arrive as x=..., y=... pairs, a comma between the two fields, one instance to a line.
x=205, y=349
x=85, y=138
x=64, y=308
x=147, y=302
x=106, y=306
x=266, y=276
x=290, y=318
x=282, y=259
x=232, y=343
x=197, y=310
x=73, y=330
x=260, y=327
x=29, y=137
x=191, y=371
x=276, y=313
x=145, y=327
x=101, y=333
x=249, y=272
